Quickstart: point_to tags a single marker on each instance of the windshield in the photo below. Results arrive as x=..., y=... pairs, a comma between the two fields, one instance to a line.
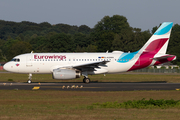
x=16, y=60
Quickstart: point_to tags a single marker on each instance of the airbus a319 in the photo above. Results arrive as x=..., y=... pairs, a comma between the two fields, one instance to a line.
x=65, y=66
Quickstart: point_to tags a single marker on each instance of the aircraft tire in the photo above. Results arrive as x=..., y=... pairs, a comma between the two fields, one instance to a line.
x=29, y=81
x=86, y=80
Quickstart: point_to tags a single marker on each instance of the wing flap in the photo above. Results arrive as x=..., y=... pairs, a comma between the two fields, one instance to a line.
x=91, y=64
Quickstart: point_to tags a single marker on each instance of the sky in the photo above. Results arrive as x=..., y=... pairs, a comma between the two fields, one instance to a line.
x=144, y=14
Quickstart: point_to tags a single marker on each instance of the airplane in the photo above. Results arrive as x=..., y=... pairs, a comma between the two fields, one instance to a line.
x=65, y=66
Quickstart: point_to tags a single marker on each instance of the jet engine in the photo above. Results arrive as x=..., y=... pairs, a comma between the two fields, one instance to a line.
x=65, y=74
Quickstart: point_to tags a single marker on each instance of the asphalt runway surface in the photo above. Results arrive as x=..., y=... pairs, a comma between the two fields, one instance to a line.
x=90, y=86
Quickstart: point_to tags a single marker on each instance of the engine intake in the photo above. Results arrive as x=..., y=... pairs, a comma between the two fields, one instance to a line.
x=64, y=74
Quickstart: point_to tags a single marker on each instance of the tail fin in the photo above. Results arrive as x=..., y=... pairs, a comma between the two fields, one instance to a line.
x=154, y=51
x=159, y=41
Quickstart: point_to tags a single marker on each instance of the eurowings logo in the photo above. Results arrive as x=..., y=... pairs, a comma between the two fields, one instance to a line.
x=50, y=57
x=17, y=64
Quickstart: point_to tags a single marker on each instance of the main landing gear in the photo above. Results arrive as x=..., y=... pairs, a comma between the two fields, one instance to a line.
x=29, y=78
x=86, y=80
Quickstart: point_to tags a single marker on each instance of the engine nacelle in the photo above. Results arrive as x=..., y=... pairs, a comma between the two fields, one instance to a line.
x=65, y=74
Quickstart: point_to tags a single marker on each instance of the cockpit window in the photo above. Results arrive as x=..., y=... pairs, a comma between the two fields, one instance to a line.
x=16, y=60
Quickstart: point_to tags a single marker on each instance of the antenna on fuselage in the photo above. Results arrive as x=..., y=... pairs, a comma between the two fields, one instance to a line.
x=107, y=51
x=32, y=52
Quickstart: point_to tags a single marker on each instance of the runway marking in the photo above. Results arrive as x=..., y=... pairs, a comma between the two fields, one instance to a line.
x=36, y=88
x=68, y=87
x=63, y=87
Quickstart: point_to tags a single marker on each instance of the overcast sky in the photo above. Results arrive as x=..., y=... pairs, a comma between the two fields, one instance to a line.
x=144, y=14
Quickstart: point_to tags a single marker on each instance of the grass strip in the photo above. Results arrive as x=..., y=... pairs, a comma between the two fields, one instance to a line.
x=140, y=104
x=125, y=77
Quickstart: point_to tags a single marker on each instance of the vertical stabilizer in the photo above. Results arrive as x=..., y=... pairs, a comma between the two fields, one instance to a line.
x=154, y=51
x=159, y=41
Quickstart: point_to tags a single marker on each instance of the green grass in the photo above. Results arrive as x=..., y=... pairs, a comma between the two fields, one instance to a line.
x=52, y=104
x=49, y=104
x=124, y=77
x=140, y=104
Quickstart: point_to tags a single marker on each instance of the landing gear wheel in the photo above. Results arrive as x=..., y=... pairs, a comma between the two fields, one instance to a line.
x=86, y=80
x=29, y=78
x=29, y=81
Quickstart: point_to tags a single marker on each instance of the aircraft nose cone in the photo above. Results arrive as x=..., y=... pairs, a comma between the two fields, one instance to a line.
x=6, y=67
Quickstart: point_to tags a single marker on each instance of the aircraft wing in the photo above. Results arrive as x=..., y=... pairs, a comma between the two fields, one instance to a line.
x=90, y=64
x=85, y=66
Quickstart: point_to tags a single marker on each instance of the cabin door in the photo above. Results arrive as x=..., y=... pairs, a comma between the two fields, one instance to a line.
x=29, y=60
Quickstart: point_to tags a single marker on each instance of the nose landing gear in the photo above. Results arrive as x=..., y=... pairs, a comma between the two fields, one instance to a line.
x=29, y=78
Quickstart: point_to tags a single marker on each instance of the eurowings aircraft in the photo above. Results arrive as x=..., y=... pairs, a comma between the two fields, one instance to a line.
x=73, y=65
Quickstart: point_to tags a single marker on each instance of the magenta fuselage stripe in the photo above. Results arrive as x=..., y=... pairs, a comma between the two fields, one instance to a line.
x=145, y=58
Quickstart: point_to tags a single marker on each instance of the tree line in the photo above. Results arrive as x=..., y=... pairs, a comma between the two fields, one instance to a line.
x=110, y=33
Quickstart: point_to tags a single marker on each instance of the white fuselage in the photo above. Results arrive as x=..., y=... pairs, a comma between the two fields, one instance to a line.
x=47, y=62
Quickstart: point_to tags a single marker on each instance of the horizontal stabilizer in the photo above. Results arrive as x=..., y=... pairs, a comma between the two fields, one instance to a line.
x=163, y=57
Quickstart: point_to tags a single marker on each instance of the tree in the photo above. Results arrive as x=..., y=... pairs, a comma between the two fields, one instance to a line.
x=104, y=31
x=154, y=29
x=84, y=29
x=60, y=43
x=81, y=40
x=115, y=24
x=15, y=47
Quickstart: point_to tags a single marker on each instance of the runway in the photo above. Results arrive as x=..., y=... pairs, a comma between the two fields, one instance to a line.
x=90, y=87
